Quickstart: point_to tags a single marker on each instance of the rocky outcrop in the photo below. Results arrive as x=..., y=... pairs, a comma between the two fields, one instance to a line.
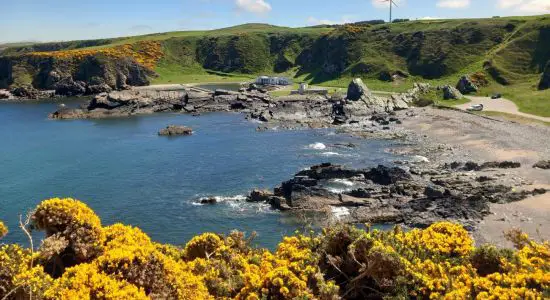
x=29, y=93
x=466, y=85
x=543, y=164
x=451, y=93
x=132, y=102
x=415, y=196
x=544, y=83
x=175, y=130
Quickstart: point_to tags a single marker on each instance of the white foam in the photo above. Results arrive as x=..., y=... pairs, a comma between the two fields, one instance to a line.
x=331, y=154
x=317, y=146
x=339, y=212
x=420, y=159
x=344, y=181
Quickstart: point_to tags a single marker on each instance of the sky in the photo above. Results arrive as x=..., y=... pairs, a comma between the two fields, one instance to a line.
x=61, y=20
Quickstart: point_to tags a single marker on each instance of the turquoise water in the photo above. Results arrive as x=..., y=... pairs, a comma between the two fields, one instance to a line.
x=124, y=171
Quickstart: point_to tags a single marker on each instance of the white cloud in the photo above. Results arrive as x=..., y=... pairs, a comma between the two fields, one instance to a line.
x=312, y=21
x=508, y=3
x=253, y=6
x=453, y=4
x=526, y=6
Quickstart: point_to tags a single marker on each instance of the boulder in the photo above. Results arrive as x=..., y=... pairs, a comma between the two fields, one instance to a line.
x=466, y=86
x=451, y=93
x=173, y=130
x=387, y=175
x=543, y=164
x=260, y=196
x=357, y=90
x=25, y=92
x=544, y=83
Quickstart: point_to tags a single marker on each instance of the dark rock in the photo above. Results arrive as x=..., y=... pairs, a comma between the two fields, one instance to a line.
x=237, y=105
x=329, y=171
x=69, y=88
x=473, y=166
x=25, y=92
x=260, y=196
x=173, y=130
x=434, y=192
x=451, y=93
x=98, y=89
x=466, y=86
x=209, y=200
x=385, y=175
x=543, y=164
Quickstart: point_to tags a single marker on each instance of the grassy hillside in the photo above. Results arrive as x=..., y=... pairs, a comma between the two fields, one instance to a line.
x=511, y=52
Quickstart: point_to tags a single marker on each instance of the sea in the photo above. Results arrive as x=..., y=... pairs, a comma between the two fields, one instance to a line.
x=127, y=173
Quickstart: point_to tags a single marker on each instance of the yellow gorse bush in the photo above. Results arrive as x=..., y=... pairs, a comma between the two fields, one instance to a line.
x=146, y=53
x=439, y=262
x=3, y=230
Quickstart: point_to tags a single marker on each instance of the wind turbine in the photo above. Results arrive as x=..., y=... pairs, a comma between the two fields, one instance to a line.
x=391, y=2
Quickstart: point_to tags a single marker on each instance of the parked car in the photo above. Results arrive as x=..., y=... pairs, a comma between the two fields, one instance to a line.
x=496, y=96
x=477, y=107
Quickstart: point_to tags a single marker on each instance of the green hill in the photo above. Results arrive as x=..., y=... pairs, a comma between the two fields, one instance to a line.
x=510, y=52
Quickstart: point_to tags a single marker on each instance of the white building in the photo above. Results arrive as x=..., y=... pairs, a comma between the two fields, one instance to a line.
x=267, y=80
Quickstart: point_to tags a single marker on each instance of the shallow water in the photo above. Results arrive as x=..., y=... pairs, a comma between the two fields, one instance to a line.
x=124, y=171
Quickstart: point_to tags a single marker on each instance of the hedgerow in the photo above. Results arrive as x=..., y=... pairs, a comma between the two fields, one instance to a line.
x=82, y=259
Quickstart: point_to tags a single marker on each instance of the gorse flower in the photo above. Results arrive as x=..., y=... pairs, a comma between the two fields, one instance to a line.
x=146, y=53
x=81, y=259
x=3, y=230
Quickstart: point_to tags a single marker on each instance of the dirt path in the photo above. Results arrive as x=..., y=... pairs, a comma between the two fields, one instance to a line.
x=500, y=105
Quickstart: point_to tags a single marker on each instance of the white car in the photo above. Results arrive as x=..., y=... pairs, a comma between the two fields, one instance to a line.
x=477, y=107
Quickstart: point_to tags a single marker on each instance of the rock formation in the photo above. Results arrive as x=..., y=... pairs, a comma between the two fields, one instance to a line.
x=466, y=86
x=416, y=197
x=451, y=93
x=174, y=130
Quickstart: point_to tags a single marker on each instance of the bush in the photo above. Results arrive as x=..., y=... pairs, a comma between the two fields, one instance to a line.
x=341, y=262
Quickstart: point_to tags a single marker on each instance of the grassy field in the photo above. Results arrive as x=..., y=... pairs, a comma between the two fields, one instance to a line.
x=510, y=51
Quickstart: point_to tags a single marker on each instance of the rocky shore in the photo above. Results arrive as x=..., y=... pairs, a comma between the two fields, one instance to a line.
x=357, y=107
x=416, y=196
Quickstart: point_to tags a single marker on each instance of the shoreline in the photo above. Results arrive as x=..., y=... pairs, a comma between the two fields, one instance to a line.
x=445, y=136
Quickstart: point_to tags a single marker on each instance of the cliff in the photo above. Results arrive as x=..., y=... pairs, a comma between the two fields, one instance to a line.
x=508, y=50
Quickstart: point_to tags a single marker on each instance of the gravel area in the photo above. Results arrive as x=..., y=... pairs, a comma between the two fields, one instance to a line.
x=445, y=135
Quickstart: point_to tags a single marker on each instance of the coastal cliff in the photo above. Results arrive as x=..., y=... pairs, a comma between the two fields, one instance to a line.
x=386, y=52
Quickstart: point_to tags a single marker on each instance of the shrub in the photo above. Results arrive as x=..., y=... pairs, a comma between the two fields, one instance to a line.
x=3, y=230
x=341, y=262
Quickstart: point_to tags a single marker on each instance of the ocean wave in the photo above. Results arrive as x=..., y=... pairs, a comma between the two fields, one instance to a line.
x=317, y=146
x=237, y=203
x=331, y=154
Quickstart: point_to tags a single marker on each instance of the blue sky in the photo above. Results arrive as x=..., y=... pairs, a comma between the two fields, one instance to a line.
x=57, y=20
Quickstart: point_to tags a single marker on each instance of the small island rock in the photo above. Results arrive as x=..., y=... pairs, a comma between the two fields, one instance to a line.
x=173, y=130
